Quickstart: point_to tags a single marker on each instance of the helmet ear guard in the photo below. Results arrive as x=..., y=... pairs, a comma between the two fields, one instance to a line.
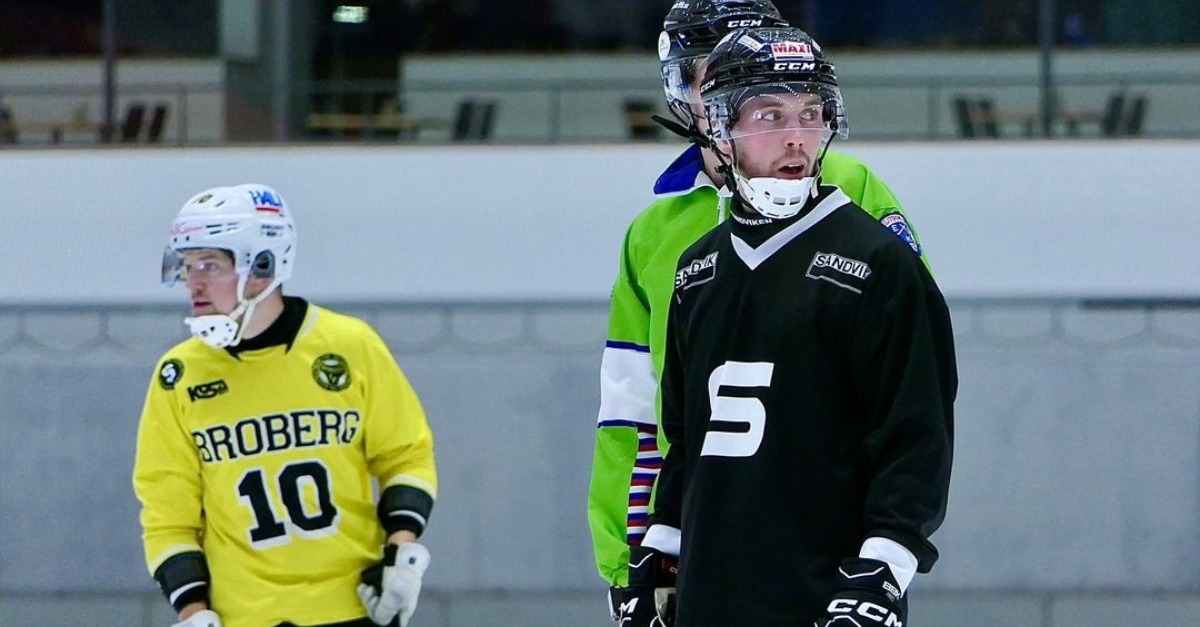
x=264, y=265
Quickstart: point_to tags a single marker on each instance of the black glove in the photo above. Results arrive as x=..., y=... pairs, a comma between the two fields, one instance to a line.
x=649, y=600
x=867, y=596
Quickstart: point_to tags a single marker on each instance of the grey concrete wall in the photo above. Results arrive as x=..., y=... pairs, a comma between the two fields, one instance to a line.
x=1075, y=498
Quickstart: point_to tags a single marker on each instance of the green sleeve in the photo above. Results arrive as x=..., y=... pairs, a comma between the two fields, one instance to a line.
x=629, y=445
x=873, y=195
x=626, y=416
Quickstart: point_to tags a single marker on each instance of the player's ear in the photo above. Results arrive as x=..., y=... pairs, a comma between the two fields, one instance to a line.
x=255, y=286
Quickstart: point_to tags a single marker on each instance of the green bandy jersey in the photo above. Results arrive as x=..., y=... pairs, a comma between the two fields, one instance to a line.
x=629, y=451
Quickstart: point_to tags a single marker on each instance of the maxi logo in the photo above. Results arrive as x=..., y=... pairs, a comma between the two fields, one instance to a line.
x=792, y=50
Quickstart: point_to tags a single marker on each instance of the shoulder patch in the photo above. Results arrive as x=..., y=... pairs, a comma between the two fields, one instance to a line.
x=331, y=372
x=896, y=223
x=841, y=271
x=170, y=373
x=697, y=272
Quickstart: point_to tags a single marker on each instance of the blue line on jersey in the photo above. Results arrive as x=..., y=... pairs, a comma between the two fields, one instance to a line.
x=626, y=423
x=629, y=346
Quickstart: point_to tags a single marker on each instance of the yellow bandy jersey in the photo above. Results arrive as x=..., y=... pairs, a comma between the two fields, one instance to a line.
x=264, y=462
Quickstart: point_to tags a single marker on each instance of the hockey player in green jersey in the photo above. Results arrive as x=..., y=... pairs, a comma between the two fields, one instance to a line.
x=628, y=449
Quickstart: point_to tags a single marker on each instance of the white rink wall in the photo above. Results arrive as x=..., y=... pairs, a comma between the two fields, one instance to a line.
x=1089, y=218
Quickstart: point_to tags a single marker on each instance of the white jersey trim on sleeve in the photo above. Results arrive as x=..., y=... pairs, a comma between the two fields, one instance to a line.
x=663, y=538
x=413, y=482
x=171, y=552
x=900, y=559
x=627, y=385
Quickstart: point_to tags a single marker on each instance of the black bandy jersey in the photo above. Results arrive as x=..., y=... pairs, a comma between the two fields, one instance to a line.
x=807, y=395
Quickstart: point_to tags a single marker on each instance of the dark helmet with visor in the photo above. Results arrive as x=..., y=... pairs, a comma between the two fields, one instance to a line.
x=771, y=80
x=756, y=62
x=691, y=29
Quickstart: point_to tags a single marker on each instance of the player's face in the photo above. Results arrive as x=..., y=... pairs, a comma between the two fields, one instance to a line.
x=694, y=102
x=211, y=280
x=778, y=136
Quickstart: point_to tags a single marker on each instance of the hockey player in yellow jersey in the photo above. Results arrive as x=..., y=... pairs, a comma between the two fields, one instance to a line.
x=261, y=436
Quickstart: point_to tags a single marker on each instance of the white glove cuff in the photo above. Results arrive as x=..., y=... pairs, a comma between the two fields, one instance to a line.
x=203, y=618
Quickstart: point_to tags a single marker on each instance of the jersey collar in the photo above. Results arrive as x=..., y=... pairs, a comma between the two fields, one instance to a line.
x=282, y=332
x=684, y=175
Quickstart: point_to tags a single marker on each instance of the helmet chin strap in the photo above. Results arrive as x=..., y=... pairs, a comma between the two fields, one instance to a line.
x=222, y=330
x=772, y=197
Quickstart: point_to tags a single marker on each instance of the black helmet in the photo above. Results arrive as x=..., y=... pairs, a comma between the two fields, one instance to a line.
x=690, y=31
x=752, y=62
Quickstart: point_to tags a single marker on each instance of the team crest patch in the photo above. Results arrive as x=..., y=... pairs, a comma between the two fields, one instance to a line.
x=841, y=271
x=896, y=223
x=331, y=372
x=170, y=373
x=698, y=272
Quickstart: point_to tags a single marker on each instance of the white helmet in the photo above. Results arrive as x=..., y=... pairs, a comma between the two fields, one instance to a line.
x=252, y=223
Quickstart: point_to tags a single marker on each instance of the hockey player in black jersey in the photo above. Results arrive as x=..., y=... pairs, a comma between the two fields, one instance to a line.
x=809, y=378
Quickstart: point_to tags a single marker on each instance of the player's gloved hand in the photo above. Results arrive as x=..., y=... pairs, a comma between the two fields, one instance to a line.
x=203, y=618
x=391, y=587
x=649, y=600
x=867, y=596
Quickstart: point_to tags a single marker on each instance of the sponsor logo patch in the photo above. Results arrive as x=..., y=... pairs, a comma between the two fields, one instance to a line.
x=698, y=272
x=792, y=50
x=841, y=271
x=211, y=389
x=750, y=42
x=896, y=223
x=265, y=201
x=170, y=373
x=331, y=372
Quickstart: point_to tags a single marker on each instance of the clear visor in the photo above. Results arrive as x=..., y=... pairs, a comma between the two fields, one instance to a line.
x=677, y=77
x=776, y=108
x=176, y=268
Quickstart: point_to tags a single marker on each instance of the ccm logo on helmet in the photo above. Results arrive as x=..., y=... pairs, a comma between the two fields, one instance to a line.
x=743, y=23
x=796, y=66
x=866, y=609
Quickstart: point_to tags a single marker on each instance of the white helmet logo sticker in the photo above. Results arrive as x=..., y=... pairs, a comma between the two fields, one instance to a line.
x=664, y=45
